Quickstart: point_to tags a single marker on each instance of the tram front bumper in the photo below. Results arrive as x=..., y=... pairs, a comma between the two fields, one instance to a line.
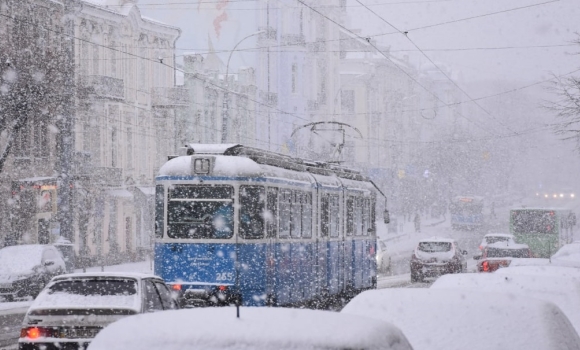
x=208, y=296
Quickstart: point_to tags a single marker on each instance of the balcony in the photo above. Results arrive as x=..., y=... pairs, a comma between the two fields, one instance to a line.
x=106, y=176
x=102, y=86
x=169, y=97
x=312, y=105
x=269, y=33
x=293, y=39
x=269, y=98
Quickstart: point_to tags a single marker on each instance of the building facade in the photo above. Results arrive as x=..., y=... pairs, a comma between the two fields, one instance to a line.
x=121, y=130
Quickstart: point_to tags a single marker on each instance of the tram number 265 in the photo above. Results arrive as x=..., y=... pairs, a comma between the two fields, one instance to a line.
x=224, y=276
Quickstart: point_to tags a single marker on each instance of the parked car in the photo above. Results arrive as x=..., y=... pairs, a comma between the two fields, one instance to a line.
x=500, y=254
x=383, y=258
x=456, y=319
x=26, y=269
x=73, y=308
x=437, y=256
x=256, y=328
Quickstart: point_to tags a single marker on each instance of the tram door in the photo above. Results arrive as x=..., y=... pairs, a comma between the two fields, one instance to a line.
x=271, y=237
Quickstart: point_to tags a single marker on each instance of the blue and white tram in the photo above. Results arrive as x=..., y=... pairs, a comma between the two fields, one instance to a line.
x=238, y=224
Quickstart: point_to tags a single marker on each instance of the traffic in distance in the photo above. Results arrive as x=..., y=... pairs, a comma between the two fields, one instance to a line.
x=237, y=227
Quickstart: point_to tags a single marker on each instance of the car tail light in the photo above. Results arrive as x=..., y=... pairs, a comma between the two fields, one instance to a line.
x=222, y=288
x=176, y=286
x=485, y=266
x=38, y=332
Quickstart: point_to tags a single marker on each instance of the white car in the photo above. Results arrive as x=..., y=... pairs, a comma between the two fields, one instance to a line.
x=26, y=269
x=383, y=258
x=73, y=308
x=256, y=328
x=457, y=319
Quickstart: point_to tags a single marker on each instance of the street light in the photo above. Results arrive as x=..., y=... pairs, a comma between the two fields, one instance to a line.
x=225, y=103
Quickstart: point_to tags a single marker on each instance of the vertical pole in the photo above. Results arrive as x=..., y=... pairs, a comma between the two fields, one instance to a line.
x=66, y=135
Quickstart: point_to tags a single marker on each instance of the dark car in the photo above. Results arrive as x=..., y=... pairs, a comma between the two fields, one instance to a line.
x=437, y=256
x=500, y=254
x=26, y=269
x=73, y=308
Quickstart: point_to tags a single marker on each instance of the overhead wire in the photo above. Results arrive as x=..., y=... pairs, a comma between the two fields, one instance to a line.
x=406, y=35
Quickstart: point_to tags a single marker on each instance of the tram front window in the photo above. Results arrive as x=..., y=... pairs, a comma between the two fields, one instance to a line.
x=200, y=219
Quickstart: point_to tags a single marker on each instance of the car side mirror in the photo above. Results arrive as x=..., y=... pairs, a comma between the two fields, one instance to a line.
x=386, y=216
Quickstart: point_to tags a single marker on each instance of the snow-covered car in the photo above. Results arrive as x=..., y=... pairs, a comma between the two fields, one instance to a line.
x=383, y=258
x=500, y=254
x=26, y=269
x=437, y=256
x=456, y=319
x=556, y=284
x=491, y=238
x=73, y=308
x=256, y=328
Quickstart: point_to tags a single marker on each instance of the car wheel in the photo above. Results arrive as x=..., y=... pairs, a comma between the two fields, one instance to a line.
x=415, y=277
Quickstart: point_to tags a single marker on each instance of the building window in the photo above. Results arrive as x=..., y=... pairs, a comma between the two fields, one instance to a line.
x=294, y=73
x=129, y=148
x=114, y=147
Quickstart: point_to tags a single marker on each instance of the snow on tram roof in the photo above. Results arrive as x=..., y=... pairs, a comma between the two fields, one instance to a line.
x=210, y=148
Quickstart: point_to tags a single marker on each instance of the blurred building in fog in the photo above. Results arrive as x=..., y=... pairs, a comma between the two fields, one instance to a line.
x=123, y=126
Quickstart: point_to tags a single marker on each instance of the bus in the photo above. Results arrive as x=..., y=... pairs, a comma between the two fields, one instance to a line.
x=542, y=229
x=466, y=212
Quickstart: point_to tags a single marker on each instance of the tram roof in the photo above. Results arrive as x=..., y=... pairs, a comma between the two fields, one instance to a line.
x=275, y=159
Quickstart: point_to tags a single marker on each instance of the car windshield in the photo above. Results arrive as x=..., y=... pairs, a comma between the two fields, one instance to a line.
x=200, y=212
x=434, y=247
x=95, y=287
x=507, y=253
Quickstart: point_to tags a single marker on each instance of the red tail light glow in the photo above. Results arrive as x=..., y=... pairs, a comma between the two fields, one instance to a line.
x=176, y=286
x=37, y=332
x=222, y=288
x=485, y=266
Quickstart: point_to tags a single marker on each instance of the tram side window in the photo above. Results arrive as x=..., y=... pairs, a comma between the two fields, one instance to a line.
x=272, y=212
x=325, y=216
x=350, y=216
x=306, y=215
x=285, y=208
x=252, y=205
x=358, y=217
x=159, y=206
x=366, y=217
x=334, y=216
x=296, y=214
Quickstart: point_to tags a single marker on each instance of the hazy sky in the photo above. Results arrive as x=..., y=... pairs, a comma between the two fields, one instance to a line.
x=504, y=42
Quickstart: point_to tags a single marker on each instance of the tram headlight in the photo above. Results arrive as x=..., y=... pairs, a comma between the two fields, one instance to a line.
x=561, y=195
x=572, y=195
x=545, y=196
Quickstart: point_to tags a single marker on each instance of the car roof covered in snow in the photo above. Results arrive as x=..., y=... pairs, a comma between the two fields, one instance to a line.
x=437, y=239
x=562, y=291
x=456, y=319
x=509, y=235
x=257, y=328
x=507, y=245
